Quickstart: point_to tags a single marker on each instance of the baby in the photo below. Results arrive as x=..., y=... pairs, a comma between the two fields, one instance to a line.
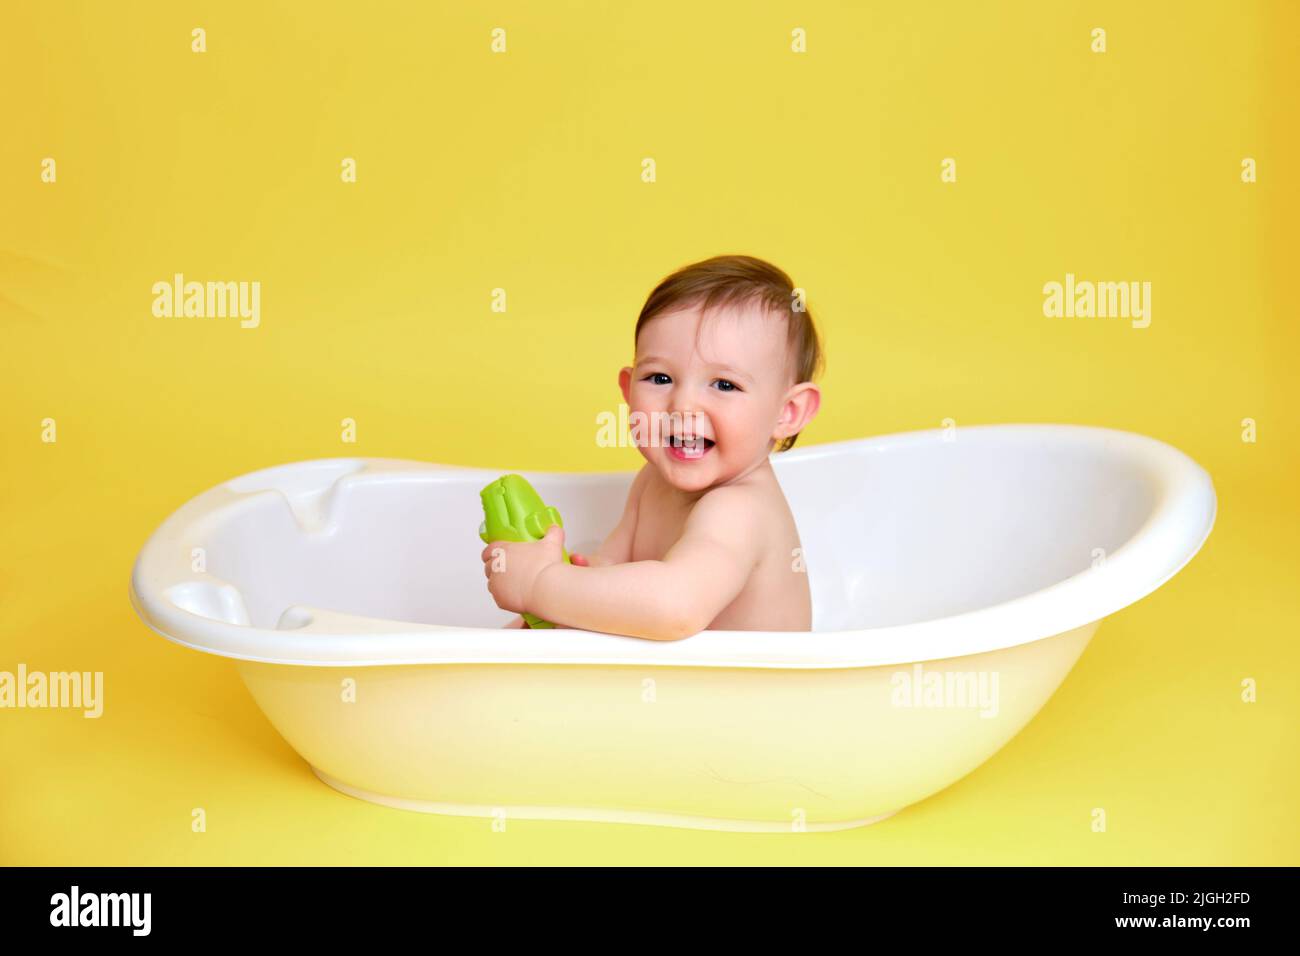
x=725, y=354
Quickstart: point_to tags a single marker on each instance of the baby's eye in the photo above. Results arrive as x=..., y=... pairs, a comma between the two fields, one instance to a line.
x=655, y=376
x=731, y=386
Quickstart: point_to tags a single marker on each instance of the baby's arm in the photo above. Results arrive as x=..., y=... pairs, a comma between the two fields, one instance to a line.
x=661, y=600
x=617, y=548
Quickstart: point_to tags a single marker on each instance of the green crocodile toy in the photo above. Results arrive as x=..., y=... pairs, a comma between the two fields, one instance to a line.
x=513, y=511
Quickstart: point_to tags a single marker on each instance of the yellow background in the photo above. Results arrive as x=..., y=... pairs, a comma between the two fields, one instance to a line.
x=523, y=171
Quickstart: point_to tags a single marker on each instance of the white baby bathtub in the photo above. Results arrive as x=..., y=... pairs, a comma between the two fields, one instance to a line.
x=956, y=577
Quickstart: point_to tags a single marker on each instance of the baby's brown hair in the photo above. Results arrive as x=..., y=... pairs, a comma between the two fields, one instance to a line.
x=740, y=280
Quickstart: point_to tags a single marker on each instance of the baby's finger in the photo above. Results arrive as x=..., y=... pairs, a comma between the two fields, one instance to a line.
x=492, y=550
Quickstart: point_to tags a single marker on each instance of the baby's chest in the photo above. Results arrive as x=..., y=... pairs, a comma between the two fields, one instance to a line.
x=654, y=536
x=659, y=526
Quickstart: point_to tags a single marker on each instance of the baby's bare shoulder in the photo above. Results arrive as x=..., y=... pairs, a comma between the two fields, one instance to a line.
x=720, y=534
x=733, y=512
x=730, y=497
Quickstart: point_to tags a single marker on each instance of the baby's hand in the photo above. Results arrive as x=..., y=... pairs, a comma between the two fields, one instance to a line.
x=512, y=567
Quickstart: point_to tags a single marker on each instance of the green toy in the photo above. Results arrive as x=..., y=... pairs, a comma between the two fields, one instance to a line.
x=513, y=511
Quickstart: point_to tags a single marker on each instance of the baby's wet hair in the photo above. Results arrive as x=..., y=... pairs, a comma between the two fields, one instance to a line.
x=736, y=280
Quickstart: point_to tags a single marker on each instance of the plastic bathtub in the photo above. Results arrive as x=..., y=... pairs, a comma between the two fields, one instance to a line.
x=956, y=574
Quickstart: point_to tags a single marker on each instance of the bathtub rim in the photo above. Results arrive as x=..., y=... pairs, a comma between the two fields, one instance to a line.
x=1183, y=513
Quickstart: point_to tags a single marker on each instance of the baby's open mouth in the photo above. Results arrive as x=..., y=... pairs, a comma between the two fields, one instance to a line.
x=689, y=447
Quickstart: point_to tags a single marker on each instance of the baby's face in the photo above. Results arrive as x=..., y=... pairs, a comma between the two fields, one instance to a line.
x=731, y=392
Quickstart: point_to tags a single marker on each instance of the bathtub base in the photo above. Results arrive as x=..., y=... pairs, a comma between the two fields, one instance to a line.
x=594, y=814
